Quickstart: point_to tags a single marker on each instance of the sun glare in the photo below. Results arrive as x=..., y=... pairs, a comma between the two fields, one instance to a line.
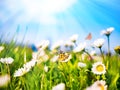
x=47, y=6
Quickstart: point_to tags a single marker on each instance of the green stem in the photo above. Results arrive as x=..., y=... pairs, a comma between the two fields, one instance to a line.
x=101, y=53
x=88, y=55
x=108, y=45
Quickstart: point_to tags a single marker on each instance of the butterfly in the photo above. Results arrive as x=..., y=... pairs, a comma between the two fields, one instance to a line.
x=63, y=56
x=89, y=37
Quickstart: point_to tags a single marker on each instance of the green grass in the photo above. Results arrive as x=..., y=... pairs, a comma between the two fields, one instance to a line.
x=74, y=78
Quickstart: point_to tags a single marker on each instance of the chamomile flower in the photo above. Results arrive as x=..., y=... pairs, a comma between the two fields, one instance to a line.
x=80, y=47
x=8, y=60
x=99, y=43
x=108, y=31
x=74, y=37
x=98, y=68
x=60, y=86
x=98, y=85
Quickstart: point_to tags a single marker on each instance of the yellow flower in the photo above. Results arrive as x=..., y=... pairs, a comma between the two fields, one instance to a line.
x=98, y=68
x=117, y=49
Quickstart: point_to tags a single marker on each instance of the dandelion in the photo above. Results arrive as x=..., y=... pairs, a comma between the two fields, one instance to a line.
x=60, y=86
x=107, y=33
x=8, y=60
x=98, y=68
x=99, y=43
x=98, y=85
x=4, y=80
x=117, y=49
x=82, y=65
x=74, y=38
x=1, y=48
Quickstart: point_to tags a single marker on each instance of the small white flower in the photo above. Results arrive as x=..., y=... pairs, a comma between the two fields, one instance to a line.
x=57, y=45
x=69, y=44
x=80, y=47
x=8, y=60
x=108, y=31
x=99, y=42
x=26, y=68
x=93, y=53
x=74, y=38
x=98, y=68
x=4, y=80
x=98, y=85
x=46, y=68
x=60, y=86
x=1, y=48
x=43, y=44
x=82, y=65
x=54, y=58
x=21, y=72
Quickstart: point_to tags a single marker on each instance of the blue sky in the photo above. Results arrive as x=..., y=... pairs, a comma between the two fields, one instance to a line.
x=35, y=20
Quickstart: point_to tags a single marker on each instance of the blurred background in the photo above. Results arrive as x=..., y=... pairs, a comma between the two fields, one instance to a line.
x=30, y=21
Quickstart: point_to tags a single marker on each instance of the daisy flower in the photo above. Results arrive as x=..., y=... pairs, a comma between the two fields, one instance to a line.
x=8, y=60
x=80, y=47
x=99, y=43
x=98, y=85
x=74, y=38
x=108, y=31
x=98, y=68
x=60, y=86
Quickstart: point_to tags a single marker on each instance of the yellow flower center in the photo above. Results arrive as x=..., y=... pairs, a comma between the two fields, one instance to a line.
x=100, y=68
x=101, y=86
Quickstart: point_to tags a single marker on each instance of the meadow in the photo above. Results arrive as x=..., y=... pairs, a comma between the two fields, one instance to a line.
x=64, y=66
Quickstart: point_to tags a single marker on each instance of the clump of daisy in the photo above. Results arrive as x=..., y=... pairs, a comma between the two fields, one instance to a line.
x=99, y=43
x=82, y=65
x=117, y=49
x=8, y=60
x=26, y=68
x=98, y=85
x=60, y=86
x=4, y=80
x=74, y=38
x=98, y=68
x=107, y=33
x=1, y=48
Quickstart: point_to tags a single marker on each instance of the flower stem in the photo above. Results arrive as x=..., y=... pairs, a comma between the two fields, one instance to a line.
x=101, y=53
x=108, y=45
